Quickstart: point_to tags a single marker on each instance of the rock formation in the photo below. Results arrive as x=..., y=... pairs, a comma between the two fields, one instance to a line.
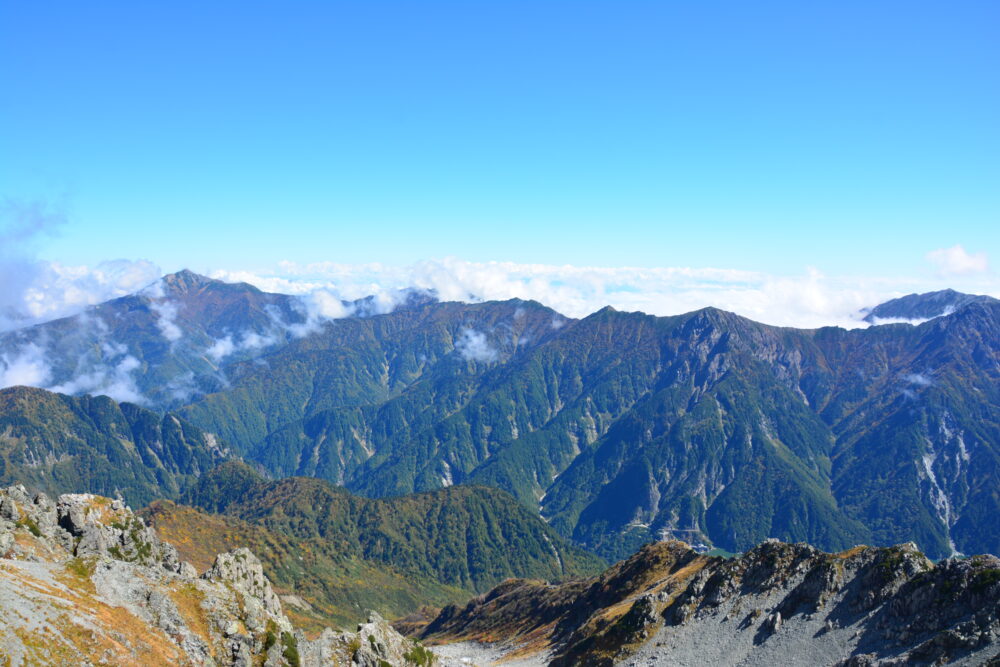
x=84, y=581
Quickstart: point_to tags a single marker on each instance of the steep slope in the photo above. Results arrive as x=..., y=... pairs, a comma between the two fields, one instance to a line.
x=319, y=405
x=722, y=447
x=623, y=427
x=84, y=581
x=467, y=537
x=776, y=604
x=59, y=443
x=918, y=431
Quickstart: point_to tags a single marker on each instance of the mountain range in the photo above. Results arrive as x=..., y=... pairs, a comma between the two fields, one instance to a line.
x=617, y=429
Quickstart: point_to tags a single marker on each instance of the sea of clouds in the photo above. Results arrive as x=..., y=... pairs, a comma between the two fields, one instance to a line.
x=809, y=299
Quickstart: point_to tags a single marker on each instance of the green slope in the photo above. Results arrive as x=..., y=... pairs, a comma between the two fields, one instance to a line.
x=338, y=589
x=623, y=427
x=64, y=444
x=469, y=537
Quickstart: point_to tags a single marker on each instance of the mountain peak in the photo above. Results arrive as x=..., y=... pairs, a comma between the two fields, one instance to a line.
x=185, y=281
x=924, y=306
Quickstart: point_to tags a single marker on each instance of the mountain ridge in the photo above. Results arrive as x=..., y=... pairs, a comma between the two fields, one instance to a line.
x=778, y=603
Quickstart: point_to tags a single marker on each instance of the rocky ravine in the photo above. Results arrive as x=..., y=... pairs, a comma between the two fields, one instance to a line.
x=83, y=581
x=777, y=604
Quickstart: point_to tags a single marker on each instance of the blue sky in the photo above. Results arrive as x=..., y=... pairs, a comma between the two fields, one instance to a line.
x=852, y=137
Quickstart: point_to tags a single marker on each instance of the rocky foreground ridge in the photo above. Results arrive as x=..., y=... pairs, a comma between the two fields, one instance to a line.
x=84, y=581
x=777, y=604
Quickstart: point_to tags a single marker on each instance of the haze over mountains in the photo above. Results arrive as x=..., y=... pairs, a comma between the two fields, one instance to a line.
x=617, y=428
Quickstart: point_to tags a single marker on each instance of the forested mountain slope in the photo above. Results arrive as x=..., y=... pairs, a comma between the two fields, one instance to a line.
x=62, y=444
x=618, y=428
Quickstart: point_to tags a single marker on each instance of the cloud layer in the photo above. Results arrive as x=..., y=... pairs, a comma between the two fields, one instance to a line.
x=811, y=299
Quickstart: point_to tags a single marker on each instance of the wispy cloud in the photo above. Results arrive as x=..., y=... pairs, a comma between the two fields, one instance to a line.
x=111, y=374
x=27, y=366
x=475, y=346
x=918, y=379
x=956, y=261
x=166, y=313
x=318, y=305
x=23, y=224
x=228, y=345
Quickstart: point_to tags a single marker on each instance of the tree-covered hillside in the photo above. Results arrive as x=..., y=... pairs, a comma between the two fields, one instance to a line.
x=624, y=427
x=65, y=444
x=330, y=587
x=468, y=537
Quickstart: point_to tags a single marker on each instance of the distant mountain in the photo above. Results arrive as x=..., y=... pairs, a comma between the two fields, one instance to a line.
x=59, y=444
x=356, y=394
x=619, y=428
x=776, y=604
x=466, y=537
x=926, y=306
x=171, y=341
x=158, y=346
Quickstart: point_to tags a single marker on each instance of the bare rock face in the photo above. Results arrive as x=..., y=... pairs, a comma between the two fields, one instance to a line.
x=108, y=528
x=777, y=604
x=83, y=580
x=241, y=570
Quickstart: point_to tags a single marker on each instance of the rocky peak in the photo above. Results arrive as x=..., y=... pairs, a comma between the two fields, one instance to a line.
x=374, y=644
x=185, y=282
x=241, y=570
x=668, y=605
x=103, y=527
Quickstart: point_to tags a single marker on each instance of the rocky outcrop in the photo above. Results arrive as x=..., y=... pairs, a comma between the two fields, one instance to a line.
x=84, y=581
x=241, y=570
x=778, y=603
x=374, y=644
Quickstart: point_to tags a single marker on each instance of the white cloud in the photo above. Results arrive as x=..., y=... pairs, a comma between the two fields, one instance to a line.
x=318, y=306
x=956, y=261
x=32, y=290
x=55, y=290
x=221, y=348
x=27, y=367
x=227, y=345
x=112, y=379
x=166, y=314
x=808, y=300
x=474, y=346
x=918, y=379
x=183, y=387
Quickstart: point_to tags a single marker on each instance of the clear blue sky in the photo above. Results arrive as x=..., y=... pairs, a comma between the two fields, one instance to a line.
x=851, y=136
